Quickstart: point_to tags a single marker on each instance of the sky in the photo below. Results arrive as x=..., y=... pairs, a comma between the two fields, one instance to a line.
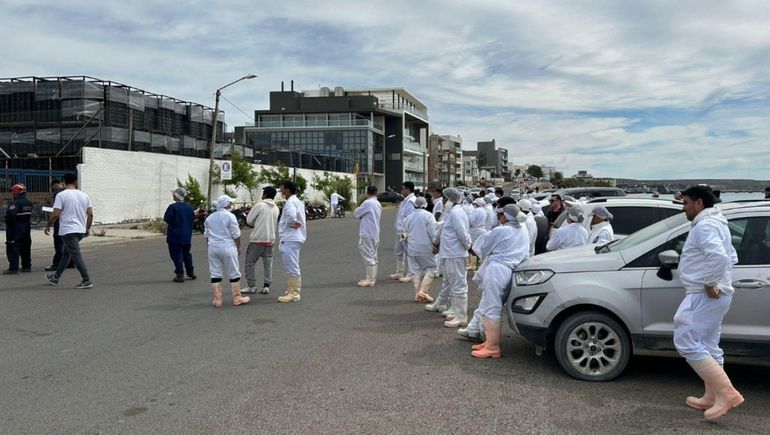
x=626, y=89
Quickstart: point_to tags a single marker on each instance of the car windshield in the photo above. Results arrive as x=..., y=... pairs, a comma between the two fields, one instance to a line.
x=647, y=233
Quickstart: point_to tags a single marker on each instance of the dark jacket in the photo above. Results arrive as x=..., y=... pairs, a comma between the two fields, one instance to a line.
x=179, y=216
x=18, y=217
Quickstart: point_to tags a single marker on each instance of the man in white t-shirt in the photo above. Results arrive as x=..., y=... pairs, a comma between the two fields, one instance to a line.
x=74, y=211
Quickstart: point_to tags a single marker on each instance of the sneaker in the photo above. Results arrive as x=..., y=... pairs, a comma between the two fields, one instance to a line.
x=471, y=334
x=192, y=275
x=265, y=290
x=50, y=268
x=249, y=291
x=85, y=284
x=10, y=272
x=51, y=279
x=178, y=278
x=27, y=270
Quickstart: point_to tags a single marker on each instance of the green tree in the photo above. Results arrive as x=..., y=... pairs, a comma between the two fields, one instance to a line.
x=330, y=183
x=535, y=171
x=243, y=175
x=517, y=172
x=195, y=197
x=276, y=175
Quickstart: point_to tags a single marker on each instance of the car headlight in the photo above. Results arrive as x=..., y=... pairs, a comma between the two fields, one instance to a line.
x=527, y=304
x=532, y=277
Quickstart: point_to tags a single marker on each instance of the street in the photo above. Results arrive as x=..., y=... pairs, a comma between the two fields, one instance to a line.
x=141, y=354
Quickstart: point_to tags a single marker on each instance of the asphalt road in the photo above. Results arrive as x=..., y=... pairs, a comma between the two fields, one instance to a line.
x=140, y=354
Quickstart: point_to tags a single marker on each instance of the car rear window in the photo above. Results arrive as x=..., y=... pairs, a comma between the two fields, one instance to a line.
x=627, y=220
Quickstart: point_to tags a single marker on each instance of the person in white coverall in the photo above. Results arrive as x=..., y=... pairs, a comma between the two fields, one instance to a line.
x=477, y=227
x=569, y=235
x=490, y=210
x=334, y=200
x=370, y=212
x=405, y=209
x=526, y=207
x=502, y=249
x=292, y=231
x=454, y=240
x=438, y=203
x=224, y=245
x=475, y=328
x=601, y=229
x=420, y=228
x=705, y=269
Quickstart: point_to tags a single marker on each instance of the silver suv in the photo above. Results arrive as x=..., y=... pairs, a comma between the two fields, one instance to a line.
x=629, y=214
x=597, y=305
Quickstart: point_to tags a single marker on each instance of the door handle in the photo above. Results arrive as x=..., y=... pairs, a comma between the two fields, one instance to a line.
x=749, y=283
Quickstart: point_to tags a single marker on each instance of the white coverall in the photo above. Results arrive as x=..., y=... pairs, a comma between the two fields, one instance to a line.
x=531, y=226
x=601, y=233
x=369, y=212
x=502, y=249
x=568, y=236
x=455, y=240
x=291, y=238
x=405, y=209
x=221, y=230
x=438, y=207
x=334, y=199
x=420, y=228
x=707, y=259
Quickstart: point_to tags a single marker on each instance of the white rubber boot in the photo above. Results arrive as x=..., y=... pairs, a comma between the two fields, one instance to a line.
x=726, y=396
x=460, y=310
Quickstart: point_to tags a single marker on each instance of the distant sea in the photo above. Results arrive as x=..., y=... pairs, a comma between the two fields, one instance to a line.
x=727, y=196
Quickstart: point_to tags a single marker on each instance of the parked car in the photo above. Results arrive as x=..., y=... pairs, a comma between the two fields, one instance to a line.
x=590, y=192
x=475, y=191
x=629, y=214
x=389, y=196
x=595, y=306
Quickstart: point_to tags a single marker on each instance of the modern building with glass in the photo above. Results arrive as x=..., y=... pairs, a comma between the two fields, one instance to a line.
x=380, y=134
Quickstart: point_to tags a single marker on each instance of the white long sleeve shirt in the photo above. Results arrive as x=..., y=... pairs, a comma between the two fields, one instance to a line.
x=454, y=237
x=221, y=229
x=370, y=212
x=601, y=233
x=708, y=254
x=335, y=198
x=531, y=226
x=477, y=220
x=420, y=228
x=405, y=209
x=293, y=212
x=568, y=236
x=505, y=244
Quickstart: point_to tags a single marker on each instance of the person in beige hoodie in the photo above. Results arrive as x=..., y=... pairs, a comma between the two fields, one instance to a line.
x=263, y=218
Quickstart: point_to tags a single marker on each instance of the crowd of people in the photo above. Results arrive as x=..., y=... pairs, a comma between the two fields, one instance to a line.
x=440, y=236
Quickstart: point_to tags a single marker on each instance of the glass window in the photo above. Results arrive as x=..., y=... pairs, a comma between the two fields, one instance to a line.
x=647, y=233
x=650, y=259
x=627, y=220
x=750, y=237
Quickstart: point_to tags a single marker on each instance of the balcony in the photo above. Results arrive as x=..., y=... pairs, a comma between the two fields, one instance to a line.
x=414, y=147
x=294, y=123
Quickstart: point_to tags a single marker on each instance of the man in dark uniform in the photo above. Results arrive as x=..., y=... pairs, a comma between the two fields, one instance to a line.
x=557, y=207
x=18, y=241
x=58, y=243
x=179, y=217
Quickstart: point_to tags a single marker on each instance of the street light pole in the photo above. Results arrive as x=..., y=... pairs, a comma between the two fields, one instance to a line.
x=214, y=133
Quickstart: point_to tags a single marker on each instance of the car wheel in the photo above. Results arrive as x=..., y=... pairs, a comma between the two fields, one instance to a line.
x=592, y=347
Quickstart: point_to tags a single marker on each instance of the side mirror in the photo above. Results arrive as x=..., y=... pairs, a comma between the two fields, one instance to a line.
x=669, y=258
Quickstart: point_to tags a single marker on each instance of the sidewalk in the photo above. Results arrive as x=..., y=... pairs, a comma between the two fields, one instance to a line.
x=112, y=234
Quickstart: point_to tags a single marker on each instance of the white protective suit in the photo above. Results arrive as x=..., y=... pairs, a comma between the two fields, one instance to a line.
x=438, y=207
x=572, y=234
x=221, y=230
x=502, y=249
x=291, y=239
x=601, y=233
x=454, y=242
x=421, y=228
x=334, y=200
x=399, y=250
x=370, y=212
x=707, y=259
x=531, y=227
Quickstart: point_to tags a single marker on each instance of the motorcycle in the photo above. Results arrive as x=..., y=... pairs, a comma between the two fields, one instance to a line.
x=313, y=212
x=240, y=215
x=198, y=220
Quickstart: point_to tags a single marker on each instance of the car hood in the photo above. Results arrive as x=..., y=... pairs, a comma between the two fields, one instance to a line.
x=578, y=259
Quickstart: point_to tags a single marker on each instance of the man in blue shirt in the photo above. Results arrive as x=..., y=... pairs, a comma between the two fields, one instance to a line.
x=179, y=217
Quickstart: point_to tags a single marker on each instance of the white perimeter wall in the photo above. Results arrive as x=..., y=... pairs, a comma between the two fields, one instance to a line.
x=132, y=185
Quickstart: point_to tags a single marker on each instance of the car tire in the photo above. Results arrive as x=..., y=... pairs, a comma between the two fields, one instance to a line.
x=592, y=346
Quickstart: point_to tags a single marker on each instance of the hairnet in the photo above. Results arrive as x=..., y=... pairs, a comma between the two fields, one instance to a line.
x=525, y=204
x=453, y=195
x=575, y=214
x=490, y=199
x=602, y=213
x=223, y=201
x=479, y=202
x=511, y=212
x=179, y=193
x=420, y=202
x=536, y=208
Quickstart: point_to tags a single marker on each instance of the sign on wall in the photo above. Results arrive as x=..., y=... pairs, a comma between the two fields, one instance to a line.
x=226, y=170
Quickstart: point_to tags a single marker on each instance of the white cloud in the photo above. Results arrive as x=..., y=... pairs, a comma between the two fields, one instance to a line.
x=646, y=82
